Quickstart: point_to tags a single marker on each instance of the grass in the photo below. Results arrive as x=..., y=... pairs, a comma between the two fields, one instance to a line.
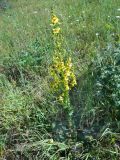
x=33, y=125
x=81, y=20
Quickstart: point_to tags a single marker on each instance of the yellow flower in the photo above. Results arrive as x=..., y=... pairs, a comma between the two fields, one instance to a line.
x=50, y=141
x=66, y=78
x=55, y=20
x=67, y=72
x=62, y=65
x=67, y=87
x=73, y=82
x=69, y=63
x=61, y=99
x=56, y=30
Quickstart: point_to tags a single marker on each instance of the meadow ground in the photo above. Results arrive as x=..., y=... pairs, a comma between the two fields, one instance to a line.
x=34, y=124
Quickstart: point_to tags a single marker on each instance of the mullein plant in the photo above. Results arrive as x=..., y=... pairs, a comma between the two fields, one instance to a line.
x=61, y=70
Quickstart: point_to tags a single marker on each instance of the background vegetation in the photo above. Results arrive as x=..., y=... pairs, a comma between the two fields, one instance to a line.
x=33, y=124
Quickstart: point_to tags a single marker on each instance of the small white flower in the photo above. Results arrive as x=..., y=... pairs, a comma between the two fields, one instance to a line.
x=97, y=34
x=35, y=12
x=108, y=16
x=77, y=20
x=118, y=9
x=118, y=17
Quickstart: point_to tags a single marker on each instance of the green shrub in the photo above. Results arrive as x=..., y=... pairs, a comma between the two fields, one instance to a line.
x=106, y=70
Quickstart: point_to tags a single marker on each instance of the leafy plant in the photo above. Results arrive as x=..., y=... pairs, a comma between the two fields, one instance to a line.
x=106, y=69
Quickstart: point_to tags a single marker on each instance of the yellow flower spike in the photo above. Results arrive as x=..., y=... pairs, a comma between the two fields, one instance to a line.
x=62, y=71
x=56, y=30
x=55, y=20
